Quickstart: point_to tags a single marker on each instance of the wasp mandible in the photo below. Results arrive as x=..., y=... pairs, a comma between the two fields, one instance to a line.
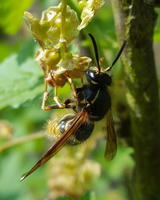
x=91, y=104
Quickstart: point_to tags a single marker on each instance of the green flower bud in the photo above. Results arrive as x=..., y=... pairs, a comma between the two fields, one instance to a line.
x=48, y=57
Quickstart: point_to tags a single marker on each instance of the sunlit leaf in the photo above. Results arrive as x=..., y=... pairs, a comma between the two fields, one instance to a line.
x=157, y=35
x=5, y=50
x=18, y=83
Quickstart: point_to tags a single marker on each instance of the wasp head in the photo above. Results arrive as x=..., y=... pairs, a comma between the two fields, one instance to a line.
x=96, y=78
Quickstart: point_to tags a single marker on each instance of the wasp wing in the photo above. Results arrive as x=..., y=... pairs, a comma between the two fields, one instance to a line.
x=111, y=144
x=78, y=120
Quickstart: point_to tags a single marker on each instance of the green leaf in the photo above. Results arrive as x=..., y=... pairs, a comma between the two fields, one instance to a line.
x=11, y=13
x=5, y=50
x=88, y=196
x=157, y=35
x=19, y=82
x=27, y=50
x=63, y=198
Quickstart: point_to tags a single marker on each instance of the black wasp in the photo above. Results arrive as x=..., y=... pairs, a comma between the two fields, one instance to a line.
x=91, y=104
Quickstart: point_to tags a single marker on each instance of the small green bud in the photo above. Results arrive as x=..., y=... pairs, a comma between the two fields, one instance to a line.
x=48, y=57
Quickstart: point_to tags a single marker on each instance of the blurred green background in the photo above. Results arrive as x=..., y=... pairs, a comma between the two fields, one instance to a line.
x=21, y=89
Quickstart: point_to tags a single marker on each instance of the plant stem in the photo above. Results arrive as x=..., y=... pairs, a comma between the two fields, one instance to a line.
x=62, y=37
x=138, y=28
x=21, y=140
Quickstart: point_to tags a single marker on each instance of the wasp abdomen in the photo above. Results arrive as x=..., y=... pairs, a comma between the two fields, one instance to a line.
x=56, y=129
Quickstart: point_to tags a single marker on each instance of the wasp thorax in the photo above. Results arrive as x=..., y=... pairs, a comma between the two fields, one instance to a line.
x=96, y=78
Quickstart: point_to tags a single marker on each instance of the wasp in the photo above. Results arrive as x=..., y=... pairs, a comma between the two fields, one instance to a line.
x=91, y=104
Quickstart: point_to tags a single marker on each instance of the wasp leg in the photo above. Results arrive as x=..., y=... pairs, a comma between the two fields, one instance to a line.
x=69, y=103
x=57, y=100
x=58, y=105
x=73, y=87
x=51, y=107
x=45, y=96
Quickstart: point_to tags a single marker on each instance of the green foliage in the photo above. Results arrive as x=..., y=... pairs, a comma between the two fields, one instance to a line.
x=88, y=196
x=5, y=50
x=11, y=12
x=27, y=50
x=19, y=81
x=63, y=198
x=157, y=34
x=157, y=28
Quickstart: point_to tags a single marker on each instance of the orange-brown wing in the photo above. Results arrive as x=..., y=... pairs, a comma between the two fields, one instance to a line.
x=78, y=120
x=111, y=144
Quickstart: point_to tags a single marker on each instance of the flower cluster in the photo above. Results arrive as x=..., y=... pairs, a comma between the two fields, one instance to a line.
x=71, y=173
x=57, y=28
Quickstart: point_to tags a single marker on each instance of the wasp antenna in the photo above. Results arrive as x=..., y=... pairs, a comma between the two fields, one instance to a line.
x=95, y=51
x=118, y=56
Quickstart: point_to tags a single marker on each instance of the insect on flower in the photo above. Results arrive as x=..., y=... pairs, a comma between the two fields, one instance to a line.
x=92, y=103
x=59, y=71
x=54, y=32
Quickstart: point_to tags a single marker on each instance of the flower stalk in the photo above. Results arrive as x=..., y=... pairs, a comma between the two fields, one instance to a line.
x=62, y=29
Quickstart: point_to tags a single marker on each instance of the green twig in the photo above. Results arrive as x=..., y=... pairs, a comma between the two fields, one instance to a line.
x=21, y=140
x=63, y=18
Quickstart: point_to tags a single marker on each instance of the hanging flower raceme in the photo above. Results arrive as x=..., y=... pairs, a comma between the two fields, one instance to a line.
x=56, y=29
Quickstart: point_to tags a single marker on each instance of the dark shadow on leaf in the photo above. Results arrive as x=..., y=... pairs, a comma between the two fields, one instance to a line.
x=26, y=51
